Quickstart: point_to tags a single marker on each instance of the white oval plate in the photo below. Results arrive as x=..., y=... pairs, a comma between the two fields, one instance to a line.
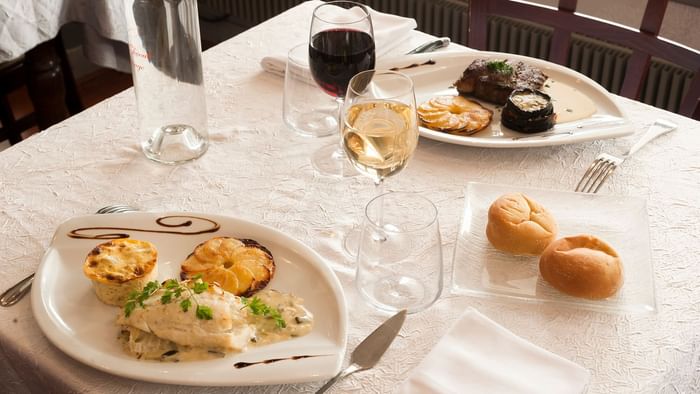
x=74, y=320
x=609, y=121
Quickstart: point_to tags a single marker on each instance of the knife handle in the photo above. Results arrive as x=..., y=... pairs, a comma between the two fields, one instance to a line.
x=352, y=368
x=431, y=46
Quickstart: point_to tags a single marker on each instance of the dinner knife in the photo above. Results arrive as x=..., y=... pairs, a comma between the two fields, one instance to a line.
x=431, y=46
x=370, y=350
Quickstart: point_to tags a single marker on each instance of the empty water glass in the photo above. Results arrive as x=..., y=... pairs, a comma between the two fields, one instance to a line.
x=306, y=109
x=399, y=260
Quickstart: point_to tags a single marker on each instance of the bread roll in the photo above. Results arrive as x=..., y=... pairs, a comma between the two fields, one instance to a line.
x=119, y=267
x=582, y=266
x=519, y=225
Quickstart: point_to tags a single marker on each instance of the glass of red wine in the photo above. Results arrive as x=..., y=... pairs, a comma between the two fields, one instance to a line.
x=341, y=44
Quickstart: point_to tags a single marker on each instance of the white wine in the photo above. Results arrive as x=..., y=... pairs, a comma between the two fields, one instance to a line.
x=380, y=136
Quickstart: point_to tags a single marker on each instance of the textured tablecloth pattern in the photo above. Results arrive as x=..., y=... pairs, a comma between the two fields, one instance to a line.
x=258, y=170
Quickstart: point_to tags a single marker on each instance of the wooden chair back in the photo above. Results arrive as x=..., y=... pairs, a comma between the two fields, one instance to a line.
x=45, y=72
x=644, y=42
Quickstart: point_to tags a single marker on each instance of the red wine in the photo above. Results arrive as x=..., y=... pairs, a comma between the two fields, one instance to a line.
x=336, y=55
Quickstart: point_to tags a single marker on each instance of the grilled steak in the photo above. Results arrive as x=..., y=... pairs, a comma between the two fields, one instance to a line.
x=494, y=81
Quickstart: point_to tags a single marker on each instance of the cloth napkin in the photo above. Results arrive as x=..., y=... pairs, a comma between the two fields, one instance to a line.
x=389, y=31
x=479, y=356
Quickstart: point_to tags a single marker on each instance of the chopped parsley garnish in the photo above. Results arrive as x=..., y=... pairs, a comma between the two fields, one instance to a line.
x=204, y=312
x=259, y=308
x=200, y=287
x=137, y=298
x=173, y=290
x=499, y=66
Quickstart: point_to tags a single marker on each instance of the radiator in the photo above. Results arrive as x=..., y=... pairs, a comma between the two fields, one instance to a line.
x=448, y=18
x=522, y=38
x=666, y=85
x=442, y=18
x=605, y=63
x=250, y=12
x=600, y=61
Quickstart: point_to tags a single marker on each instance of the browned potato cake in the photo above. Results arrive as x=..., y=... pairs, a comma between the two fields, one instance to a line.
x=239, y=266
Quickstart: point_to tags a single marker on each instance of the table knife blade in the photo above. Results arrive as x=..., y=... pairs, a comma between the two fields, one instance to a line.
x=371, y=349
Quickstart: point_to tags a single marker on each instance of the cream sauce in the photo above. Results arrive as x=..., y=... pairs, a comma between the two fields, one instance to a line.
x=147, y=346
x=299, y=320
x=569, y=103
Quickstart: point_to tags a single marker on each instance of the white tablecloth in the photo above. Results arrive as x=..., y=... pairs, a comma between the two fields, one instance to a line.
x=26, y=23
x=258, y=170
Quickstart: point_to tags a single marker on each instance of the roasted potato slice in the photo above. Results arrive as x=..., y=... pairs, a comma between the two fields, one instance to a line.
x=239, y=266
x=454, y=114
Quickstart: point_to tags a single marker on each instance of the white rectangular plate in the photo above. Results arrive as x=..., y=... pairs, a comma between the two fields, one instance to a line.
x=481, y=270
x=609, y=120
x=71, y=316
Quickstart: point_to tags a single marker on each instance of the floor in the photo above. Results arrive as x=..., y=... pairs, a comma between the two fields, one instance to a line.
x=92, y=88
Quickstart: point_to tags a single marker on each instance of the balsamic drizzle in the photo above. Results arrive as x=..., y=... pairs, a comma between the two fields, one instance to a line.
x=243, y=364
x=414, y=65
x=79, y=233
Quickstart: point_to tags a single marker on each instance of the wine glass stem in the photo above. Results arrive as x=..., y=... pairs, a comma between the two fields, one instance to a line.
x=339, y=152
x=379, y=190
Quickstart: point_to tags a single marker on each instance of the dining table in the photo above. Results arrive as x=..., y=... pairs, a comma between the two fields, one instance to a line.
x=257, y=169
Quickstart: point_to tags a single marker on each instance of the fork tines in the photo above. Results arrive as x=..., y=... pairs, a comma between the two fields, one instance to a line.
x=597, y=173
x=116, y=208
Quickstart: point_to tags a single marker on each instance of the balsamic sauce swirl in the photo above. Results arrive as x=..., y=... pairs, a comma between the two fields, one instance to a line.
x=79, y=233
x=414, y=65
x=243, y=364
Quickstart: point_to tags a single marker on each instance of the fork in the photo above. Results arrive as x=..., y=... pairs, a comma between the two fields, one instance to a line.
x=15, y=293
x=605, y=164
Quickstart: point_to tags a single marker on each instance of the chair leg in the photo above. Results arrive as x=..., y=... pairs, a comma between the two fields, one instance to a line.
x=73, y=101
x=9, y=128
x=46, y=85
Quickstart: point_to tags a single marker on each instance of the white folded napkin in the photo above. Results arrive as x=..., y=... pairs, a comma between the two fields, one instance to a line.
x=479, y=356
x=389, y=31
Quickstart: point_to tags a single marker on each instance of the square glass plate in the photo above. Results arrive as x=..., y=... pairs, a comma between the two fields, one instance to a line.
x=481, y=270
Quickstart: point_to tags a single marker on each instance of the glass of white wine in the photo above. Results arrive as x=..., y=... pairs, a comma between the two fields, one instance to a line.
x=380, y=128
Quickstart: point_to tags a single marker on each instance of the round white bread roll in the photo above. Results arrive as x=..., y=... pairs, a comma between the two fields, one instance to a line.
x=519, y=225
x=582, y=266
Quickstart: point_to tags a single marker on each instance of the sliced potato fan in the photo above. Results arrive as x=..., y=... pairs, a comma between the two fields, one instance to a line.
x=454, y=114
x=239, y=266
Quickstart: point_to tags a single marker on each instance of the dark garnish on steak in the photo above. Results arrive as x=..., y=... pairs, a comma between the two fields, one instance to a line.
x=528, y=111
x=494, y=81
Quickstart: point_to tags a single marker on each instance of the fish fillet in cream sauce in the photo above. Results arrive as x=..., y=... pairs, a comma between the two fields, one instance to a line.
x=164, y=332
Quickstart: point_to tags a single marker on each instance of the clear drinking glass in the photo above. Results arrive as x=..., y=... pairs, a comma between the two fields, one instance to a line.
x=399, y=261
x=166, y=63
x=380, y=128
x=341, y=44
x=305, y=109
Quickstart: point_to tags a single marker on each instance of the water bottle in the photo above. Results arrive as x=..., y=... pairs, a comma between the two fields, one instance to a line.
x=166, y=64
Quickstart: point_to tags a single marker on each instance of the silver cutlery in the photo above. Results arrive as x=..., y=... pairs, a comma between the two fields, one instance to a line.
x=116, y=208
x=605, y=164
x=370, y=350
x=15, y=293
x=431, y=46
